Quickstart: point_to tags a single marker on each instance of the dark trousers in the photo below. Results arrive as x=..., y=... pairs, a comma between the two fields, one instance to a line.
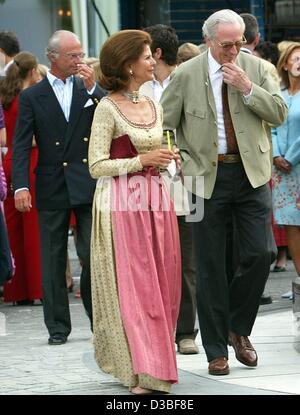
x=185, y=328
x=54, y=226
x=232, y=250
x=223, y=307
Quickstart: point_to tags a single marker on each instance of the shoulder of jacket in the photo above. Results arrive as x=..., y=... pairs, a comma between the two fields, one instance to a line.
x=191, y=65
x=29, y=92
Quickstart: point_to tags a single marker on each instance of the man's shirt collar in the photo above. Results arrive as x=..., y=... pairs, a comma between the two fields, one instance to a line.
x=52, y=78
x=213, y=65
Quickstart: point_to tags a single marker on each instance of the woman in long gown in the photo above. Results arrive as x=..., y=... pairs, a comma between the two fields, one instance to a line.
x=135, y=251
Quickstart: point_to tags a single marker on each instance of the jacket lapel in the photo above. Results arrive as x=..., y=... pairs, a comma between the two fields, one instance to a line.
x=79, y=98
x=51, y=106
x=210, y=95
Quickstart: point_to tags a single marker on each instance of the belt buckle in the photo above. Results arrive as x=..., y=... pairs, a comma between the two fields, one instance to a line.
x=229, y=158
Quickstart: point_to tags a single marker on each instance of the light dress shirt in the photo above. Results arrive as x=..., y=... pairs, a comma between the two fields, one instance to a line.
x=159, y=88
x=4, y=68
x=63, y=91
x=216, y=79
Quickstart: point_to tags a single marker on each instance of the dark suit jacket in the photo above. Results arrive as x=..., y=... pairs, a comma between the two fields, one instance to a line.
x=62, y=174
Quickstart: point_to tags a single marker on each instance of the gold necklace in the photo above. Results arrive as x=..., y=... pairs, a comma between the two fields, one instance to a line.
x=134, y=96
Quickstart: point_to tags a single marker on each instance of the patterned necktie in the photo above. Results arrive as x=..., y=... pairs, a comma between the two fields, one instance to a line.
x=232, y=145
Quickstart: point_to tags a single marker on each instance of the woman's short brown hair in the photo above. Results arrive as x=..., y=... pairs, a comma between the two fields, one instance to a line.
x=122, y=48
x=284, y=56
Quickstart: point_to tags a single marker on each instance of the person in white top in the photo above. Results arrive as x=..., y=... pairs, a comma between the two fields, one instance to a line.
x=164, y=48
x=9, y=48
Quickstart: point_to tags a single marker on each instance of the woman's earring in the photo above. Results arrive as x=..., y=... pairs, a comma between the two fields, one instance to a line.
x=131, y=72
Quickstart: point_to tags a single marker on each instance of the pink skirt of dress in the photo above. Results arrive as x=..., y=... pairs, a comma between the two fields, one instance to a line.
x=148, y=266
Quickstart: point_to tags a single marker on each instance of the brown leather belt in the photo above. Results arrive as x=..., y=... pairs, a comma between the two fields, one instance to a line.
x=229, y=158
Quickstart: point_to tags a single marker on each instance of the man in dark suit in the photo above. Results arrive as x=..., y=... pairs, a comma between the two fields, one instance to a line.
x=58, y=112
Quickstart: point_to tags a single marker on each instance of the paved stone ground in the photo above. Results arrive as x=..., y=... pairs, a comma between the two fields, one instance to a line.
x=29, y=366
x=279, y=283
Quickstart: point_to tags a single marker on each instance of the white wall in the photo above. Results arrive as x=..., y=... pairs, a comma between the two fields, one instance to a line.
x=109, y=10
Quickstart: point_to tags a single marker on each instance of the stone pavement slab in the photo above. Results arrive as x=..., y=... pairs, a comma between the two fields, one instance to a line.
x=29, y=366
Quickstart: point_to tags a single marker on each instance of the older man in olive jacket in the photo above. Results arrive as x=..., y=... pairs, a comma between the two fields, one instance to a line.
x=230, y=149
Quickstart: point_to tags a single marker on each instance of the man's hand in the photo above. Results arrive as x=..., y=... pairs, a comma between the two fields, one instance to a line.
x=86, y=73
x=282, y=164
x=23, y=201
x=178, y=159
x=236, y=77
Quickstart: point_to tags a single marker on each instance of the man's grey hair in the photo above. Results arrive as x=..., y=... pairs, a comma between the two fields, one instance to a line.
x=225, y=16
x=55, y=41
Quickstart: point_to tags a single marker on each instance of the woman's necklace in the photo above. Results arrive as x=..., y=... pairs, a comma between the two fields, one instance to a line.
x=133, y=96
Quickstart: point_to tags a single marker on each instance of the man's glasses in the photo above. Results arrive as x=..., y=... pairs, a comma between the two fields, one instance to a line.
x=228, y=45
x=73, y=55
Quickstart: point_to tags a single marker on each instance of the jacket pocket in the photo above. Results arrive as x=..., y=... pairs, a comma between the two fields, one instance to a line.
x=198, y=113
x=265, y=146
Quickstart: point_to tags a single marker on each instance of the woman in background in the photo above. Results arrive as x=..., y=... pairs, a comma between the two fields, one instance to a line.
x=23, y=231
x=286, y=155
x=6, y=266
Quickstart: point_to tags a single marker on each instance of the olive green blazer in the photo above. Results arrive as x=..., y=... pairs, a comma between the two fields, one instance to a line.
x=189, y=107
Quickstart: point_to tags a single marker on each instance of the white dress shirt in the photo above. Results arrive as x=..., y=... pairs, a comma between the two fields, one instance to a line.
x=64, y=94
x=216, y=79
x=63, y=91
x=159, y=88
x=7, y=66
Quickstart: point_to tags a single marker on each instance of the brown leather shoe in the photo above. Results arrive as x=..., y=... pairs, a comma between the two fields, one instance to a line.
x=218, y=366
x=244, y=351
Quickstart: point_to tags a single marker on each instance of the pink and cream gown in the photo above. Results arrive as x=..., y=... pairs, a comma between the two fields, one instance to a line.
x=135, y=256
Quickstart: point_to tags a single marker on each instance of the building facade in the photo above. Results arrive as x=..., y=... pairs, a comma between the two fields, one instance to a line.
x=94, y=20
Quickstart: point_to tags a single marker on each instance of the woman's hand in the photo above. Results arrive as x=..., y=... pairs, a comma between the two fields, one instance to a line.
x=158, y=158
x=282, y=164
